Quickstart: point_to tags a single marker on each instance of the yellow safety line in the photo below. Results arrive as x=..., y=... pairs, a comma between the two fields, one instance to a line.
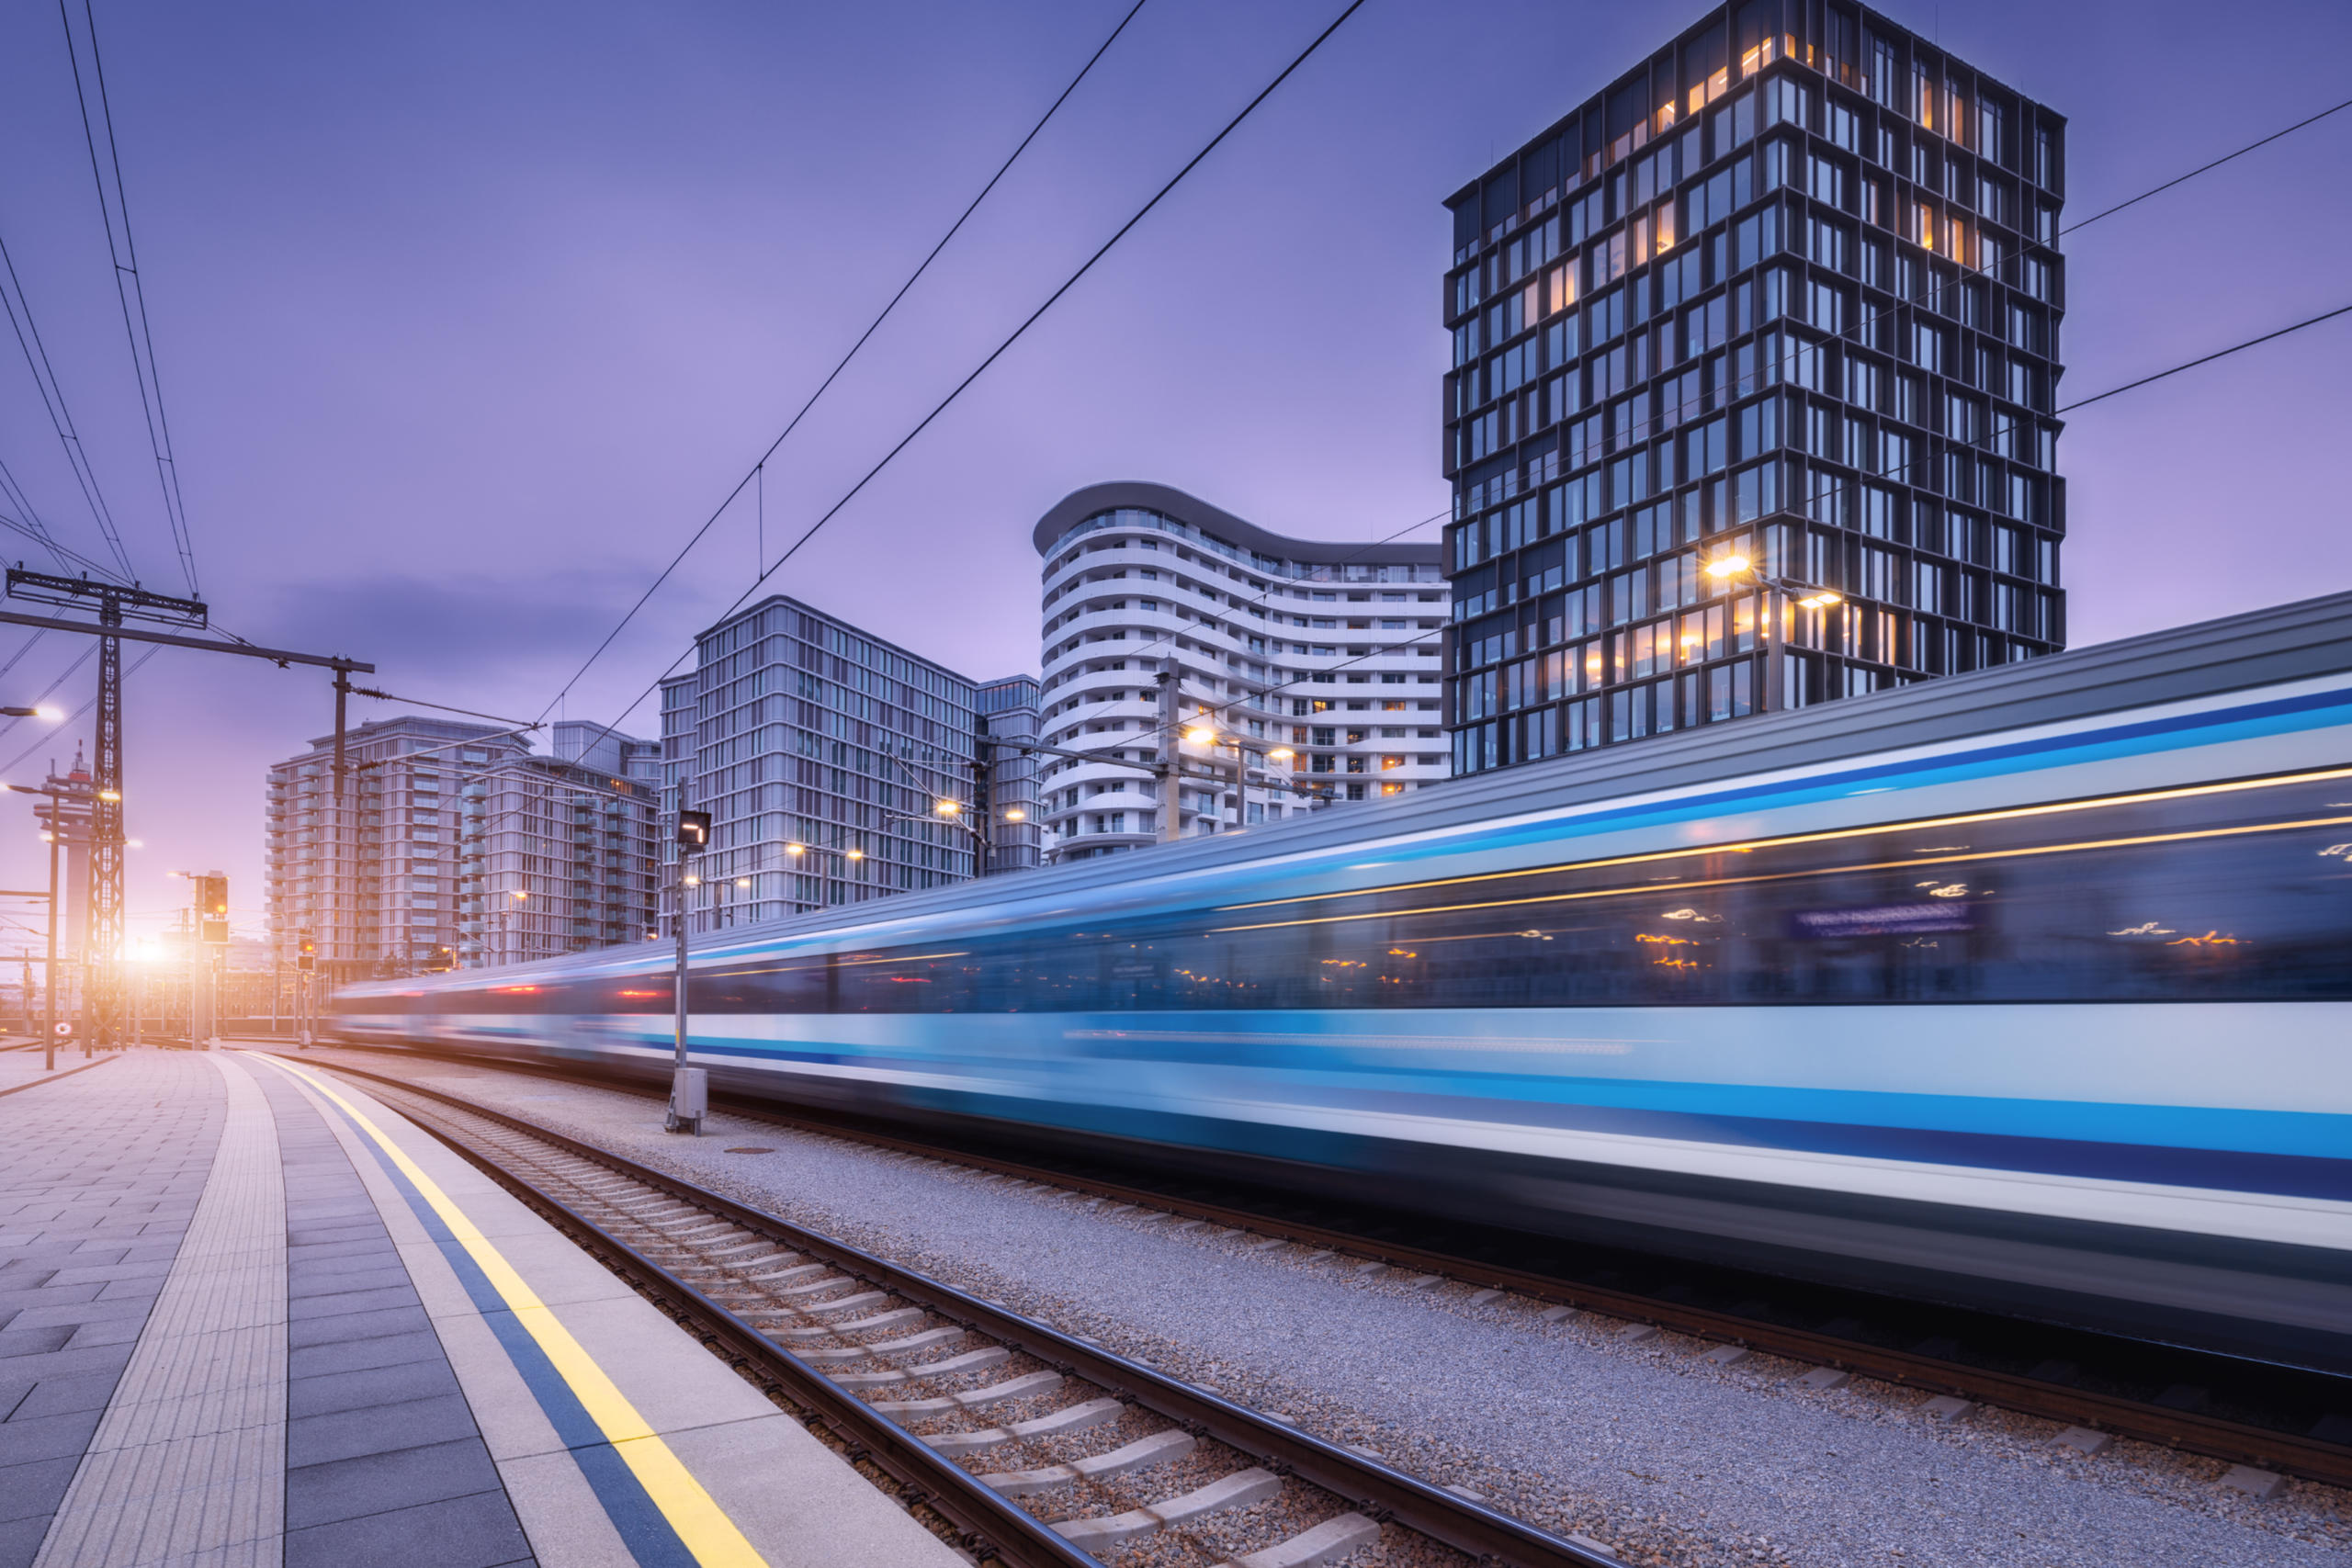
x=700, y=1522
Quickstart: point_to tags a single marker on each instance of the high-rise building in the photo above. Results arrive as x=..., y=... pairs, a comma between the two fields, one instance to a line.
x=442, y=823
x=1008, y=710
x=821, y=752
x=1317, y=663
x=1788, y=292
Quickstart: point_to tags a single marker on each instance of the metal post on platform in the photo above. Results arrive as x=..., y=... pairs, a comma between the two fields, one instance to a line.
x=689, y=1086
x=48, y=977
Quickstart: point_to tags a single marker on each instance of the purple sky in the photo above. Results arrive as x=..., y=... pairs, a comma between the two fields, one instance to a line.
x=469, y=313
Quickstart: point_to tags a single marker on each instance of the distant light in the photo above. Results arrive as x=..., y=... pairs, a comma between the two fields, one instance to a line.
x=796, y=849
x=742, y=881
x=1200, y=735
x=1282, y=754
x=948, y=807
x=857, y=854
x=693, y=881
x=518, y=895
x=109, y=795
x=1727, y=566
x=1014, y=814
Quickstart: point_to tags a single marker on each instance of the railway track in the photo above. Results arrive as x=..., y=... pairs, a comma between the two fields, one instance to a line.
x=2061, y=1379
x=1032, y=1446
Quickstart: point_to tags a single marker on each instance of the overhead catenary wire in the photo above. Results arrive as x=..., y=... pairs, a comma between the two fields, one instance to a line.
x=50, y=740
x=757, y=475
x=1018, y=332
x=52, y=396
x=132, y=297
x=1153, y=731
x=2204, y=168
x=2206, y=359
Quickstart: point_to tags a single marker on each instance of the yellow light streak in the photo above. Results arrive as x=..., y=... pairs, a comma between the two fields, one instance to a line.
x=1799, y=875
x=1831, y=835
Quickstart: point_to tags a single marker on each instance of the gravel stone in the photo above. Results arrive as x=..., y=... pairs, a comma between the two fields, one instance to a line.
x=1643, y=1447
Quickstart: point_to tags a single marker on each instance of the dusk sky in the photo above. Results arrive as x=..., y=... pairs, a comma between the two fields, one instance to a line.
x=469, y=314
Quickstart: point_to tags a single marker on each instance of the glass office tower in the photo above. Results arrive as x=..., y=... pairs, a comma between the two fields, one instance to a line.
x=1789, y=293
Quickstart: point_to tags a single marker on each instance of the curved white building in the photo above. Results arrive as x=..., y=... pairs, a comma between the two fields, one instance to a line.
x=1317, y=663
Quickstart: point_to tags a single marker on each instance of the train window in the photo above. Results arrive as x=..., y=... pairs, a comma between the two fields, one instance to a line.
x=2236, y=892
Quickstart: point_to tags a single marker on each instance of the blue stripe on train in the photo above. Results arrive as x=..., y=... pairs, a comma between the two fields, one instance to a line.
x=2299, y=1153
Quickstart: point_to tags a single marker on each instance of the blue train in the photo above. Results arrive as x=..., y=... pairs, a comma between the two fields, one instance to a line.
x=2028, y=989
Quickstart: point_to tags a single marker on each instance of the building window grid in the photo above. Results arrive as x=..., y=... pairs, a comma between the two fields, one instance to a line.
x=1141, y=599
x=1949, y=600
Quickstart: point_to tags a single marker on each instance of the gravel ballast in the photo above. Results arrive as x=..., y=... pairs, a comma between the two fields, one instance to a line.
x=1640, y=1443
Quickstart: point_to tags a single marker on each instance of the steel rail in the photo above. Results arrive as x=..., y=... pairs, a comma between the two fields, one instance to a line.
x=1371, y=1488
x=2214, y=1436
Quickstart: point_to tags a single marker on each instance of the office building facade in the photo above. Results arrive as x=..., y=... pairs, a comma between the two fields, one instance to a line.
x=820, y=751
x=440, y=826
x=1788, y=292
x=1317, y=664
x=1008, y=710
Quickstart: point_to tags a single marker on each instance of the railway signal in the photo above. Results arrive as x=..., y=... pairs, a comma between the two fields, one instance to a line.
x=689, y=1091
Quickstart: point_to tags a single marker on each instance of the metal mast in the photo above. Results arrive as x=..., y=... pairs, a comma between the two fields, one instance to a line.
x=114, y=600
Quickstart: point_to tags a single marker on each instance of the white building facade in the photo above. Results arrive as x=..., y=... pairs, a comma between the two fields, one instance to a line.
x=1312, y=670
x=441, y=825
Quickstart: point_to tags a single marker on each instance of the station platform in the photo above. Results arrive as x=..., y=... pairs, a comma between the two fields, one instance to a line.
x=250, y=1316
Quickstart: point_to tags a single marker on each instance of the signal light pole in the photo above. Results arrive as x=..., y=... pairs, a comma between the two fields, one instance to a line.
x=689, y=1086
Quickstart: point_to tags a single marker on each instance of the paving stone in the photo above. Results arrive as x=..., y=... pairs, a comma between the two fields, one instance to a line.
x=480, y=1531
x=384, y=1482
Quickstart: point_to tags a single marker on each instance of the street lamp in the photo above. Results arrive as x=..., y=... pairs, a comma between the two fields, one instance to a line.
x=1723, y=568
x=51, y=714
x=505, y=923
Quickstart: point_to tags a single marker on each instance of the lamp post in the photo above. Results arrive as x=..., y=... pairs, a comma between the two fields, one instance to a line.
x=1776, y=590
x=689, y=1086
x=505, y=923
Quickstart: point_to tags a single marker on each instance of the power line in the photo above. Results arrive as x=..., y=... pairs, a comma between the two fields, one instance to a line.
x=2203, y=168
x=1018, y=332
x=1671, y=414
x=757, y=477
x=133, y=299
x=2207, y=360
x=67, y=675
x=32, y=527
x=52, y=396
x=137, y=665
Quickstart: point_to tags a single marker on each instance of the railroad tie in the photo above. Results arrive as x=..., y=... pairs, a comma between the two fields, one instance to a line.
x=971, y=1360
x=972, y=1399
x=1327, y=1542
x=1157, y=1449
x=1073, y=1418
x=1240, y=1490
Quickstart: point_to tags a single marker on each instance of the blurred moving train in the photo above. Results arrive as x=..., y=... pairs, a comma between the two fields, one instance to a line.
x=2029, y=990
